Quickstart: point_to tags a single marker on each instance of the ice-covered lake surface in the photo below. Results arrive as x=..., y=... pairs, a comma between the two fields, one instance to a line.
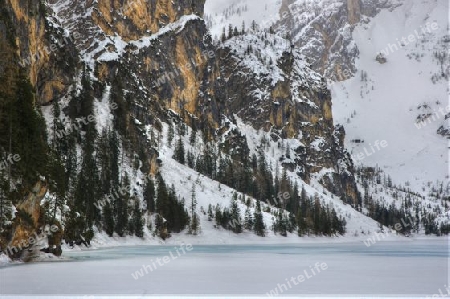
x=413, y=268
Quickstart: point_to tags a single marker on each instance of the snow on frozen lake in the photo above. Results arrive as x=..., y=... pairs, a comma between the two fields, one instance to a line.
x=418, y=267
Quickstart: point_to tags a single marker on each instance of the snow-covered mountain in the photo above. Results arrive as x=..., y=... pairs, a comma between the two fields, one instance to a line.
x=402, y=101
x=389, y=93
x=152, y=125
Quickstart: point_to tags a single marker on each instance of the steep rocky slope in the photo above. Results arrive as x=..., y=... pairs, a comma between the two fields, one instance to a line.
x=178, y=68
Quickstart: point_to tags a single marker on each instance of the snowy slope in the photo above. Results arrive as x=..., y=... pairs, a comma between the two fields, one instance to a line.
x=212, y=192
x=220, y=14
x=388, y=101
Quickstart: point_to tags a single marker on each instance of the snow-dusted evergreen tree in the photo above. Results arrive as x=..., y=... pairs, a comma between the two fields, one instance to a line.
x=170, y=134
x=150, y=195
x=210, y=213
x=259, y=226
x=137, y=220
x=5, y=202
x=179, y=151
x=108, y=219
x=235, y=215
x=121, y=208
x=280, y=224
x=193, y=137
x=248, y=220
x=194, y=225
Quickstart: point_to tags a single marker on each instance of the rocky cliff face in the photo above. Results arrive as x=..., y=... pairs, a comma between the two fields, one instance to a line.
x=29, y=41
x=29, y=229
x=322, y=30
x=284, y=96
x=131, y=19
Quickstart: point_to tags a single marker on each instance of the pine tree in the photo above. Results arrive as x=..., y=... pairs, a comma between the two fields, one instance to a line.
x=259, y=227
x=223, y=37
x=179, y=151
x=316, y=215
x=104, y=156
x=194, y=226
x=57, y=184
x=160, y=226
x=218, y=215
x=230, y=31
x=121, y=205
x=292, y=223
x=280, y=225
x=71, y=162
x=87, y=191
x=121, y=113
x=114, y=159
x=108, y=219
x=170, y=134
x=248, y=220
x=235, y=211
x=5, y=202
x=162, y=202
x=294, y=199
x=138, y=221
x=210, y=213
x=193, y=137
x=169, y=208
x=304, y=196
x=302, y=225
x=235, y=31
x=181, y=129
x=190, y=160
x=58, y=128
x=254, y=26
x=149, y=195
x=24, y=133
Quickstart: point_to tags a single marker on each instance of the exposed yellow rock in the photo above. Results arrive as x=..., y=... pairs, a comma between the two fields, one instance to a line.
x=102, y=71
x=327, y=111
x=282, y=90
x=188, y=95
x=48, y=91
x=143, y=15
x=23, y=230
x=36, y=40
x=154, y=166
x=32, y=203
x=102, y=23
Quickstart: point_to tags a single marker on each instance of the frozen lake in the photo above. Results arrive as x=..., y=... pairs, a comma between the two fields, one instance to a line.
x=418, y=267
